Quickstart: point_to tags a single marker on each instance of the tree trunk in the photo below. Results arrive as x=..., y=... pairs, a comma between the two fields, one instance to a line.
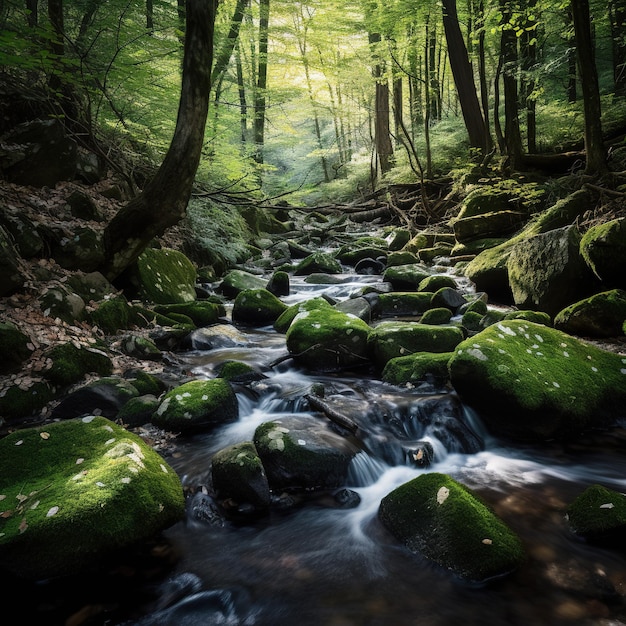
x=617, y=15
x=571, y=58
x=260, y=95
x=226, y=51
x=528, y=42
x=463, y=77
x=150, y=16
x=164, y=200
x=594, y=145
x=32, y=6
x=243, y=104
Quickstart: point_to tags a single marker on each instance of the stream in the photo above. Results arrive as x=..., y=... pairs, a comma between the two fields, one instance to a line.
x=329, y=562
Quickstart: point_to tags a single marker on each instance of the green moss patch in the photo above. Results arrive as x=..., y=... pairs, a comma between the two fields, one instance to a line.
x=441, y=519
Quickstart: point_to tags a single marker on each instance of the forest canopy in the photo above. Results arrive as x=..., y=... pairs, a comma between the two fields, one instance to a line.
x=327, y=98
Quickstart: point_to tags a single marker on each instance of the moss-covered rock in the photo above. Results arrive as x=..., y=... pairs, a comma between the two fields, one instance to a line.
x=140, y=348
x=604, y=249
x=435, y=282
x=145, y=383
x=599, y=515
x=402, y=257
x=324, y=339
x=318, y=262
x=75, y=491
x=257, y=307
x=279, y=283
x=397, y=239
x=601, y=315
x=406, y=277
x=488, y=225
x=404, y=304
x=441, y=519
x=70, y=363
x=302, y=453
x=112, y=315
x=15, y=347
x=449, y=298
x=237, y=281
x=539, y=317
x=59, y=301
x=200, y=312
x=19, y=401
x=476, y=246
x=239, y=477
x=547, y=272
x=197, y=406
x=238, y=372
x=529, y=381
x=351, y=256
x=417, y=368
x=393, y=339
x=166, y=276
x=138, y=411
x=285, y=319
x=438, y=315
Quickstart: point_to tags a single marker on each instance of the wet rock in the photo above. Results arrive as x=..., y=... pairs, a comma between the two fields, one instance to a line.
x=257, y=307
x=601, y=315
x=420, y=455
x=359, y=307
x=54, y=474
x=529, y=381
x=599, y=515
x=349, y=255
x=448, y=297
x=324, y=339
x=201, y=313
x=15, y=347
x=105, y=396
x=369, y=267
x=318, y=262
x=237, y=281
x=202, y=508
x=303, y=453
x=239, y=477
x=406, y=277
x=417, y=368
x=197, y=406
x=278, y=284
x=215, y=337
x=441, y=519
x=393, y=339
x=165, y=276
x=604, y=249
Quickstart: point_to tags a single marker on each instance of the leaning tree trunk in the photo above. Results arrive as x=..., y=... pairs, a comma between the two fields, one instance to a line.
x=164, y=200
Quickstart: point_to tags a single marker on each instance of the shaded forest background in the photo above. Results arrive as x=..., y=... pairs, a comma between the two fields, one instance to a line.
x=325, y=100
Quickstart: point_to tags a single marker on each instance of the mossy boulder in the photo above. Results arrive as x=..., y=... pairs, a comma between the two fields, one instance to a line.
x=15, y=347
x=301, y=453
x=144, y=382
x=166, y=276
x=441, y=519
x=113, y=314
x=417, y=368
x=351, y=256
x=601, y=315
x=528, y=381
x=197, y=406
x=237, y=281
x=393, y=339
x=138, y=411
x=239, y=477
x=547, y=272
x=402, y=257
x=488, y=225
x=325, y=339
x=406, y=277
x=318, y=262
x=70, y=363
x=279, y=283
x=599, y=516
x=441, y=249
x=404, y=304
x=438, y=315
x=257, y=307
x=435, y=282
x=397, y=239
x=539, y=317
x=140, y=348
x=23, y=400
x=604, y=249
x=285, y=319
x=449, y=298
x=75, y=491
x=200, y=312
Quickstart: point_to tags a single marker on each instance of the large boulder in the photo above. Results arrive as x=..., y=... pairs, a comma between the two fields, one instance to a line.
x=417, y=368
x=197, y=406
x=301, y=453
x=394, y=339
x=257, y=307
x=547, y=272
x=75, y=491
x=318, y=262
x=285, y=319
x=604, y=248
x=441, y=519
x=237, y=281
x=601, y=315
x=529, y=381
x=406, y=277
x=325, y=339
x=165, y=276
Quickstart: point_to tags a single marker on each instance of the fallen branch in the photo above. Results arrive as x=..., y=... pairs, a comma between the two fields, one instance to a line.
x=334, y=416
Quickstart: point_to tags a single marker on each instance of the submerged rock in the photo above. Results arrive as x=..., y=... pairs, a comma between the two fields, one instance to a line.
x=74, y=492
x=443, y=520
x=529, y=381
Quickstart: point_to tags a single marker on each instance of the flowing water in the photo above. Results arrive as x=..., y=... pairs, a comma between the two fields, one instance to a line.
x=319, y=563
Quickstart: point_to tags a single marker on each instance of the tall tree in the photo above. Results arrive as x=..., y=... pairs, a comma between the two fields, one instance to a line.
x=463, y=78
x=260, y=94
x=617, y=16
x=585, y=53
x=163, y=201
